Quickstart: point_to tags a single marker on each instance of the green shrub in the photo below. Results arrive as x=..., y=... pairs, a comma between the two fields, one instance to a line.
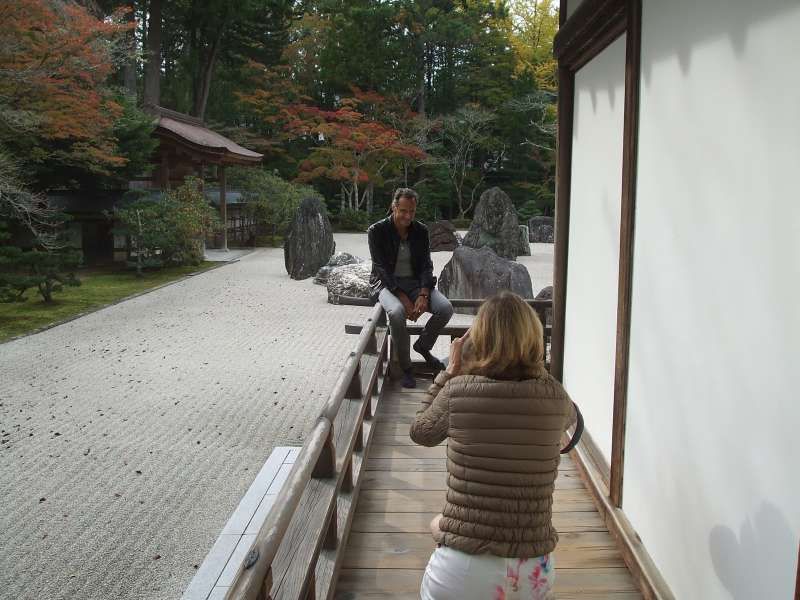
x=48, y=271
x=352, y=220
x=271, y=201
x=269, y=241
x=170, y=229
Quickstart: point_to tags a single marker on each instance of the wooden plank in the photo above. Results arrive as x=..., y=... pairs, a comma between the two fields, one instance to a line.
x=585, y=550
x=406, y=464
x=433, y=501
x=583, y=584
x=435, y=464
x=395, y=389
x=564, y=522
x=390, y=428
x=389, y=551
x=396, y=440
x=402, y=410
x=402, y=584
x=425, y=480
x=382, y=583
x=293, y=563
x=407, y=452
x=404, y=419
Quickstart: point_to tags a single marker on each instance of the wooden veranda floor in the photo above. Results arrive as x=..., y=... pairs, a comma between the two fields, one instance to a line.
x=403, y=489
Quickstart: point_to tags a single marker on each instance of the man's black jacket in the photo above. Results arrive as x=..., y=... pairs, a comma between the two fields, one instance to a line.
x=384, y=242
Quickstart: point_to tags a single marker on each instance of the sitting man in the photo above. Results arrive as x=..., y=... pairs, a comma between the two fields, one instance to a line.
x=402, y=281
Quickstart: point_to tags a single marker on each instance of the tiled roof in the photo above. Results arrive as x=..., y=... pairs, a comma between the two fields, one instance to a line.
x=192, y=131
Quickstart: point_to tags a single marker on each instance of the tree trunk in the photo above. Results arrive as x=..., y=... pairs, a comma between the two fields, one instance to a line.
x=421, y=77
x=152, y=69
x=202, y=85
x=129, y=70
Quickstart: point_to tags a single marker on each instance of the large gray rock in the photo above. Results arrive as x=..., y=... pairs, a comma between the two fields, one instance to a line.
x=443, y=236
x=349, y=281
x=481, y=273
x=495, y=225
x=337, y=260
x=524, y=244
x=309, y=244
x=542, y=230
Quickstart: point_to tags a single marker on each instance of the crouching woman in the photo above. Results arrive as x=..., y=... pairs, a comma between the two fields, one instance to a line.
x=503, y=416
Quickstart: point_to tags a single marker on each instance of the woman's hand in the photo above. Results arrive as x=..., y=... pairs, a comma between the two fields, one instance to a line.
x=456, y=347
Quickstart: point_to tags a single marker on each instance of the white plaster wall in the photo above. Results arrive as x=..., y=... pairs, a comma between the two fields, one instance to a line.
x=712, y=453
x=591, y=307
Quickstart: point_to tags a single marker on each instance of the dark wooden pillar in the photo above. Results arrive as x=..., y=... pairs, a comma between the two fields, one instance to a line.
x=566, y=103
x=223, y=207
x=164, y=170
x=630, y=138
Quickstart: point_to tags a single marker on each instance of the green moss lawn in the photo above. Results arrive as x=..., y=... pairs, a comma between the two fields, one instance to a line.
x=99, y=287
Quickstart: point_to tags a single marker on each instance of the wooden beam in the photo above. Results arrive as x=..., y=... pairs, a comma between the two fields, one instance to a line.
x=626, y=245
x=589, y=30
x=797, y=584
x=164, y=171
x=566, y=105
x=223, y=207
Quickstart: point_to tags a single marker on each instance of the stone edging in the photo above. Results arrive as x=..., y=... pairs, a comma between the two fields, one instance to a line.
x=115, y=302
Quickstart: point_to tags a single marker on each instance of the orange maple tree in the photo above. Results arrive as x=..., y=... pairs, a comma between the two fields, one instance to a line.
x=354, y=150
x=360, y=144
x=55, y=105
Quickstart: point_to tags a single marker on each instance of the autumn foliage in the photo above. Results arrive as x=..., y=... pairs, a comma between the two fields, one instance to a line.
x=359, y=144
x=55, y=106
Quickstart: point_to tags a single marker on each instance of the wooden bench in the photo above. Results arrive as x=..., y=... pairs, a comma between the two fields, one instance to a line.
x=421, y=367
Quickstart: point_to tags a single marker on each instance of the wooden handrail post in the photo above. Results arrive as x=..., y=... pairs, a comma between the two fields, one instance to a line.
x=372, y=343
x=332, y=534
x=347, y=480
x=354, y=388
x=311, y=590
x=326, y=463
x=266, y=588
x=359, y=445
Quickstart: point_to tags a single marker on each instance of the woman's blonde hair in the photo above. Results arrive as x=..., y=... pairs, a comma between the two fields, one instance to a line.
x=506, y=340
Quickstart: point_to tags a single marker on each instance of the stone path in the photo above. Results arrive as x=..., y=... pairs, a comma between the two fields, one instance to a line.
x=128, y=436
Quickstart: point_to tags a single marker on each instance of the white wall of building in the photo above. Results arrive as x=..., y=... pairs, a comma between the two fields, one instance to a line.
x=713, y=426
x=593, y=274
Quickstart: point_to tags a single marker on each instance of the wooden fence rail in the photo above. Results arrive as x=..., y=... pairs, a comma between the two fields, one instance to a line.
x=299, y=549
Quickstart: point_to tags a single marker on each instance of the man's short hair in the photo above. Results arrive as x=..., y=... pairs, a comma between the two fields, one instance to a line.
x=404, y=193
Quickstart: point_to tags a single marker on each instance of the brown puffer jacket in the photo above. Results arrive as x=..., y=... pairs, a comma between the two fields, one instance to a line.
x=502, y=460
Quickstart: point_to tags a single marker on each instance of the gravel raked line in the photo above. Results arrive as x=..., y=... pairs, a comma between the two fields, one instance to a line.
x=129, y=435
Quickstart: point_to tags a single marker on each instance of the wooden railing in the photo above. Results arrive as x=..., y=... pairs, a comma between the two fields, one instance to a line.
x=299, y=548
